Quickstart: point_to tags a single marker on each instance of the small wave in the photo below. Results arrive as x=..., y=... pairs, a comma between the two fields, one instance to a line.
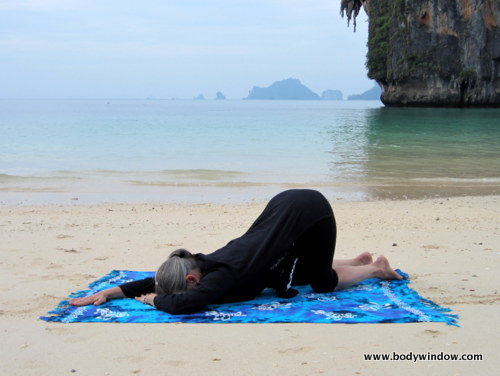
x=6, y=177
x=73, y=173
x=202, y=173
x=32, y=190
x=196, y=173
x=198, y=184
x=9, y=178
x=458, y=180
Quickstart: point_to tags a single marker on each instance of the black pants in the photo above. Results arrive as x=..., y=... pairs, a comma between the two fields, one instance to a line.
x=315, y=249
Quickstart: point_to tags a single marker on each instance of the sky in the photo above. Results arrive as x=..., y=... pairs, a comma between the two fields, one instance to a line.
x=176, y=48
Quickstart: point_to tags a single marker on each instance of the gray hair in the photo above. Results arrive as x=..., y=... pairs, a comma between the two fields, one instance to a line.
x=171, y=275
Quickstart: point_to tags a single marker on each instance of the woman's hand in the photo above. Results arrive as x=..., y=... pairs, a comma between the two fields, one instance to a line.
x=98, y=298
x=147, y=299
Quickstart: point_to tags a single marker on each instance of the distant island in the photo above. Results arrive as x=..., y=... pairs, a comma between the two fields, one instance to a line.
x=219, y=96
x=288, y=89
x=369, y=95
x=331, y=95
x=293, y=89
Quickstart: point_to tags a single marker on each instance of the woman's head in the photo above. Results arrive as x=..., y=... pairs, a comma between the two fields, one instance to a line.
x=173, y=275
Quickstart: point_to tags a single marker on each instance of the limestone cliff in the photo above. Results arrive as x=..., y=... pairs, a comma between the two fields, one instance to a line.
x=433, y=52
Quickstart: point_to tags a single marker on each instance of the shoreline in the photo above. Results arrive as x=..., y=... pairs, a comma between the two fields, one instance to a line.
x=449, y=247
x=111, y=191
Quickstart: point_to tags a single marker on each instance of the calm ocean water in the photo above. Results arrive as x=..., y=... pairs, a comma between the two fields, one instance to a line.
x=218, y=151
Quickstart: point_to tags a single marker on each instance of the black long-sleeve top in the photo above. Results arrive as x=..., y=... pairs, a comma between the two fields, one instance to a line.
x=245, y=266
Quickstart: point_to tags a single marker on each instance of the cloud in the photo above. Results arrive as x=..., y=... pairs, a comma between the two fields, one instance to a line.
x=40, y=5
x=219, y=44
x=119, y=48
x=309, y=6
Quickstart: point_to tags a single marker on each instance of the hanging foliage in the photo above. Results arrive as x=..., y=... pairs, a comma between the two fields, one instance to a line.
x=351, y=9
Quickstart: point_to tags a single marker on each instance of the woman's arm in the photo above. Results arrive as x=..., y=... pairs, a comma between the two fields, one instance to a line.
x=99, y=297
x=138, y=288
x=148, y=299
x=127, y=290
x=211, y=289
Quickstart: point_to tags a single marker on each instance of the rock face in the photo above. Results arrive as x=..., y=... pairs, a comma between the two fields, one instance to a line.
x=433, y=52
x=287, y=89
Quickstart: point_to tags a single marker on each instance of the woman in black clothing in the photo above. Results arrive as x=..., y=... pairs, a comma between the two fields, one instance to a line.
x=291, y=243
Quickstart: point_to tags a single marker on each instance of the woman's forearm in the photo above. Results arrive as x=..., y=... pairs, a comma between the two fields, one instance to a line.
x=138, y=288
x=115, y=293
x=99, y=297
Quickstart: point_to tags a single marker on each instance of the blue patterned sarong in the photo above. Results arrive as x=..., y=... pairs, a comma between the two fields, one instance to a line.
x=372, y=301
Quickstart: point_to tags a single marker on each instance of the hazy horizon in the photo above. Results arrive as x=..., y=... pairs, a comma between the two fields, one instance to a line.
x=176, y=49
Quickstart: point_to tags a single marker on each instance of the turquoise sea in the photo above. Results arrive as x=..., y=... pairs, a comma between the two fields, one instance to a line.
x=58, y=151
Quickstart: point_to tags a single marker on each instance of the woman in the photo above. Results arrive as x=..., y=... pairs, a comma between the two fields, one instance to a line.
x=291, y=243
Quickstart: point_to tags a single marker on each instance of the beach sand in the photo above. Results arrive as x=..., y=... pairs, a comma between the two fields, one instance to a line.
x=449, y=246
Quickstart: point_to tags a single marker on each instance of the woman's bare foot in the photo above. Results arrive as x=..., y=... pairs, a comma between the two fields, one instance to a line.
x=364, y=258
x=349, y=275
x=384, y=270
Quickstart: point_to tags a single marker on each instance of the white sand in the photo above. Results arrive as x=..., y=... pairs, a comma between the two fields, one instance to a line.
x=450, y=248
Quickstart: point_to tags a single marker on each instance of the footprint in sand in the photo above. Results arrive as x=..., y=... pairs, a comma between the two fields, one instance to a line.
x=176, y=363
x=295, y=350
x=431, y=333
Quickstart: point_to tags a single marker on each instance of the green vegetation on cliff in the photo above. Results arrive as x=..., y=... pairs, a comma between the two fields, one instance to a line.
x=388, y=38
